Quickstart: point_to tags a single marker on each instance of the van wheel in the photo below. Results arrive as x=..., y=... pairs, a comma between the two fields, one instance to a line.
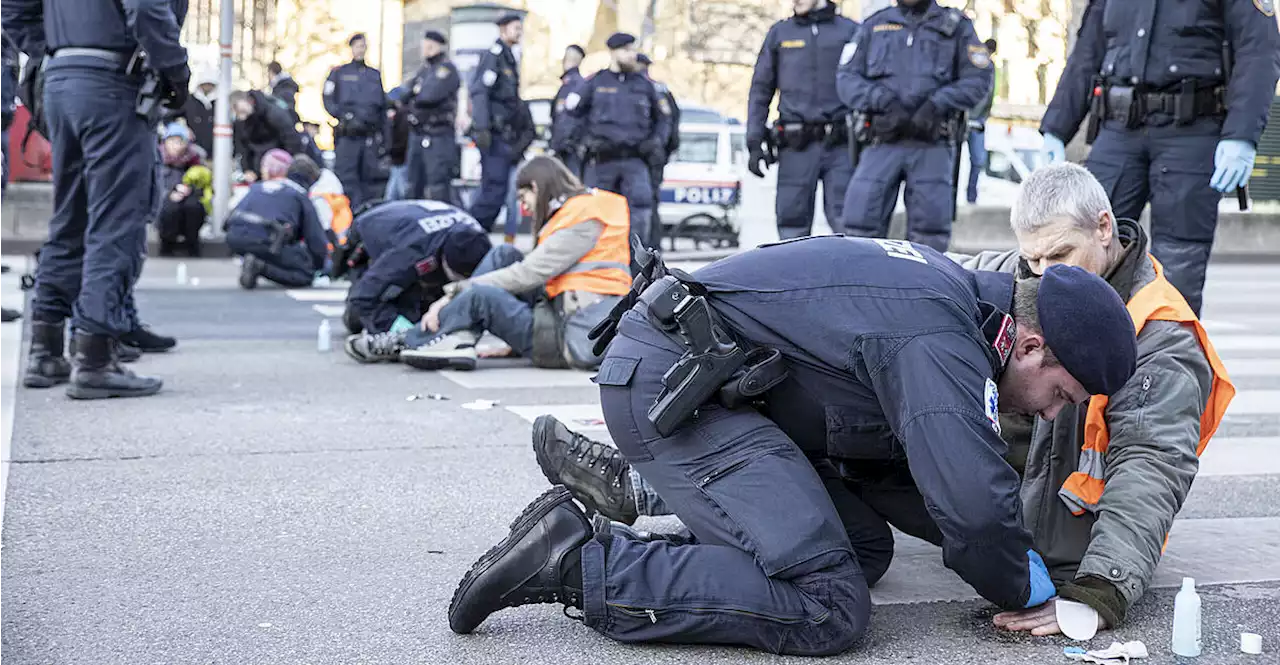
x=705, y=229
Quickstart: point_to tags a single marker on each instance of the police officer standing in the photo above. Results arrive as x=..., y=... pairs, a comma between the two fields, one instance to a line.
x=673, y=144
x=627, y=124
x=353, y=95
x=102, y=147
x=433, y=106
x=799, y=61
x=914, y=69
x=1170, y=84
x=497, y=116
x=564, y=126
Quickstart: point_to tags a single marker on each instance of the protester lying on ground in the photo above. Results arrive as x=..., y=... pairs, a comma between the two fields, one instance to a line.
x=542, y=305
x=1101, y=482
x=409, y=251
x=184, y=209
x=275, y=227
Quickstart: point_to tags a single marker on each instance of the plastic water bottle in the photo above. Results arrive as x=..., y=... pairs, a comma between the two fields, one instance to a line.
x=1186, y=620
x=323, y=340
x=182, y=273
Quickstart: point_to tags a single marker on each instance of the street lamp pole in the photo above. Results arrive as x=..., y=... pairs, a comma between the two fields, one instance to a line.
x=222, y=118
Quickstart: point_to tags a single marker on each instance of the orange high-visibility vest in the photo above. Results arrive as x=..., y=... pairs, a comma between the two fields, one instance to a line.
x=606, y=268
x=341, y=207
x=1157, y=301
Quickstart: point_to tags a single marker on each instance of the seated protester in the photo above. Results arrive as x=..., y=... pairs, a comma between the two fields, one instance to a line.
x=413, y=249
x=1101, y=482
x=183, y=211
x=261, y=123
x=332, y=207
x=275, y=226
x=575, y=274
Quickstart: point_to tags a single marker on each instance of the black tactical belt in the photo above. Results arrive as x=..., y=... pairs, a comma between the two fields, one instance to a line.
x=1132, y=106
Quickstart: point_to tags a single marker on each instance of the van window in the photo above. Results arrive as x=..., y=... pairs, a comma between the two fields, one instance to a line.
x=738, y=148
x=704, y=116
x=697, y=148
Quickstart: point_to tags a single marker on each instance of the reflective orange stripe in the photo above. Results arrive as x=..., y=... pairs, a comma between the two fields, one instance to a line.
x=604, y=269
x=1157, y=301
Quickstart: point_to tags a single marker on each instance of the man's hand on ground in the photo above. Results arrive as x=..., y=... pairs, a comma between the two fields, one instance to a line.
x=431, y=320
x=495, y=352
x=1040, y=621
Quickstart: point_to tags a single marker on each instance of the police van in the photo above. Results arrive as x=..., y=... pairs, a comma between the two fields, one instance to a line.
x=1012, y=154
x=702, y=182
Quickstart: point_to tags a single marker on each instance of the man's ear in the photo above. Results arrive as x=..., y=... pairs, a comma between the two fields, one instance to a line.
x=1027, y=344
x=1106, y=228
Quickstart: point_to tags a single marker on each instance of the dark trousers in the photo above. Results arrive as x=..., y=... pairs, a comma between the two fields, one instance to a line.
x=799, y=172
x=496, y=165
x=771, y=566
x=630, y=178
x=873, y=192
x=291, y=267
x=105, y=166
x=655, y=226
x=179, y=225
x=387, y=289
x=1169, y=167
x=430, y=164
x=355, y=162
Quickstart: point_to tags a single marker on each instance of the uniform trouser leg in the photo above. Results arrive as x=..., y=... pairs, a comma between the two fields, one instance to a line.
x=873, y=191
x=572, y=162
x=378, y=297
x=415, y=168
x=61, y=265
x=439, y=156
x=633, y=182
x=511, y=204
x=1120, y=162
x=291, y=268
x=776, y=574
x=977, y=162
x=397, y=182
x=655, y=226
x=347, y=153
x=490, y=308
x=929, y=195
x=1184, y=208
x=495, y=171
x=837, y=170
x=798, y=172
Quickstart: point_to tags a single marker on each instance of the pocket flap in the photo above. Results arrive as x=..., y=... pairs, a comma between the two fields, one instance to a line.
x=616, y=371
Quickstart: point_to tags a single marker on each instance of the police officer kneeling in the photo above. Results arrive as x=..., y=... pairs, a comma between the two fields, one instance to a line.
x=879, y=348
x=276, y=229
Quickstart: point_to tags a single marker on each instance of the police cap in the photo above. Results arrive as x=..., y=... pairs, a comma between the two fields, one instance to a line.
x=435, y=36
x=508, y=18
x=464, y=248
x=619, y=40
x=358, y=37
x=643, y=59
x=1087, y=327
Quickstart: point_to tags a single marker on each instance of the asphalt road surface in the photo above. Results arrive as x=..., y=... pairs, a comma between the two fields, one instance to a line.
x=278, y=505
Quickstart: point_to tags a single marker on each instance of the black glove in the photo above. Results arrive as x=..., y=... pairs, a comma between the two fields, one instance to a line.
x=651, y=149
x=483, y=138
x=755, y=155
x=177, y=81
x=892, y=123
x=925, y=121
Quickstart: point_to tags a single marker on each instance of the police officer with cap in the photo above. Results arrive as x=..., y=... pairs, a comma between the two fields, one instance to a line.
x=104, y=170
x=497, y=116
x=564, y=126
x=627, y=123
x=413, y=248
x=433, y=105
x=353, y=95
x=878, y=350
x=1180, y=94
x=798, y=61
x=673, y=143
x=914, y=69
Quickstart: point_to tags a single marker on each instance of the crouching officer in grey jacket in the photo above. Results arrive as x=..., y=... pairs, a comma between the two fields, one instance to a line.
x=893, y=353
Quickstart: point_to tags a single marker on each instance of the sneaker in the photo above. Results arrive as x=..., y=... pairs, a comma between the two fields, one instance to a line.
x=250, y=267
x=147, y=341
x=383, y=347
x=597, y=474
x=455, y=350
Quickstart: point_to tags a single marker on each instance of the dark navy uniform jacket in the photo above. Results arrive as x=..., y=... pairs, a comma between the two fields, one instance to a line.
x=799, y=59
x=564, y=126
x=495, y=92
x=40, y=26
x=286, y=202
x=433, y=96
x=1158, y=43
x=903, y=55
x=883, y=344
x=356, y=88
x=621, y=110
x=422, y=225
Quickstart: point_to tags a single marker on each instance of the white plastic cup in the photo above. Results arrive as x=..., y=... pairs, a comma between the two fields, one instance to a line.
x=1251, y=643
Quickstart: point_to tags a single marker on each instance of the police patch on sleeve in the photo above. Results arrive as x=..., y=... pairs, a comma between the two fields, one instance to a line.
x=664, y=106
x=571, y=102
x=979, y=56
x=489, y=78
x=328, y=87
x=991, y=402
x=846, y=54
x=495, y=49
x=442, y=72
x=1267, y=7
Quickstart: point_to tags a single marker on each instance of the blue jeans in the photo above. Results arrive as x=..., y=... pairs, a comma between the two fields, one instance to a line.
x=509, y=317
x=977, y=162
x=397, y=184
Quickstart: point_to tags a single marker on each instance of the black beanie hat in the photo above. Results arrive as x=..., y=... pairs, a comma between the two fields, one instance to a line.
x=1088, y=328
x=465, y=247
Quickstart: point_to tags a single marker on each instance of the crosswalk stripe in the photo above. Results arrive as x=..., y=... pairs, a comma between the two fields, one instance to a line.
x=578, y=417
x=330, y=311
x=1255, y=402
x=1237, y=367
x=1241, y=456
x=520, y=377
x=318, y=295
x=1246, y=343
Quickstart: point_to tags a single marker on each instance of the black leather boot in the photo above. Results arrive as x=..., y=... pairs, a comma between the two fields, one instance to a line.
x=250, y=268
x=594, y=472
x=98, y=375
x=124, y=352
x=540, y=561
x=147, y=341
x=47, y=366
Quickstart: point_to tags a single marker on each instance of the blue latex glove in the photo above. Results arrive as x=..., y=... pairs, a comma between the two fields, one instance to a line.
x=1232, y=164
x=1042, y=588
x=1054, y=149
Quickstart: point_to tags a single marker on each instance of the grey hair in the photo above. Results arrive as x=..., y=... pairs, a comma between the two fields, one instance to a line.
x=1058, y=191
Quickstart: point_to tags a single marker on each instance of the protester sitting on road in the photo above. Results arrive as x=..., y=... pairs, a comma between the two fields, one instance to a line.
x=183, y=211
x=1101, y=482
x=543, y=304
x=262, y=123
x=412, y=249
x=333, y=209
x=275, y=227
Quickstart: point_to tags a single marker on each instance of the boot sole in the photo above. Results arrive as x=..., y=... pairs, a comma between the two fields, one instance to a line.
x=532, y=514
x=77, y=392
x=544, y=427
x=43, y=382
x=436, y=363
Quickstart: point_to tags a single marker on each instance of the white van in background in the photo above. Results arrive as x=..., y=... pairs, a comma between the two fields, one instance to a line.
x=702, y=182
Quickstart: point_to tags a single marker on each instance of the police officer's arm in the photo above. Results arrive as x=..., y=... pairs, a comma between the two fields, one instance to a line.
x=436, y=89
x=485, y=76
x=1256, y=45
x=313, y=234
x=155, y=26
x=23, y=21
x=932, y=389
x=764, y=83
x=332, y=100
x=973, y=72
x=857, y=91
x=380, y=112
x=662, y=116
x=1070, y=101
x=578, y=103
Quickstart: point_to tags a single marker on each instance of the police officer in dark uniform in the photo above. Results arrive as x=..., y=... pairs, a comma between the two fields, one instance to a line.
x=673, y=144
x=353, y=95
x=1180, y=93
x=914, y=69
x=497, y=118
x=626, y=128
x=413, y=248
x=433, y=105
x=799, y=61
x=276, y=230
x=878, y=350
x=564, y=126
x=105, y=165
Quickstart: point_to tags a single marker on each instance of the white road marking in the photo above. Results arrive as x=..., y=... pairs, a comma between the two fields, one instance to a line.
x=577, y=417
x=330, y=311
x=1237, y=367
x=1255, y=402
x=1241, y=456
x=1246, y=343
x=521, y=377
x=318, y=295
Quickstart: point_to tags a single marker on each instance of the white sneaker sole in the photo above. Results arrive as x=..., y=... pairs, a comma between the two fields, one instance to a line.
x=460, y=359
